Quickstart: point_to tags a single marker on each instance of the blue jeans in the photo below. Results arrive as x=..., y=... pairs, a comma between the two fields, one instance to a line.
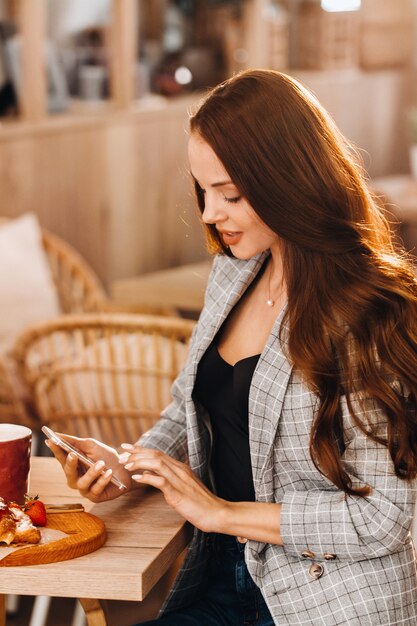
x=231, y=598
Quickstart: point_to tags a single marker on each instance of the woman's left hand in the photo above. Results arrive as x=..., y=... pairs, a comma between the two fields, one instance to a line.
x=183, y=491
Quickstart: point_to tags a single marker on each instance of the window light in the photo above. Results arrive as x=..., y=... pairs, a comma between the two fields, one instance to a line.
x=340, y=5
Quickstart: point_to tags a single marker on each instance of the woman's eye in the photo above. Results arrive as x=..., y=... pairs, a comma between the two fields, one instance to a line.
x=232, y=200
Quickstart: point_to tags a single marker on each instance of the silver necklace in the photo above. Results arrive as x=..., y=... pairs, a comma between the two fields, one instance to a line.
x=269, y=301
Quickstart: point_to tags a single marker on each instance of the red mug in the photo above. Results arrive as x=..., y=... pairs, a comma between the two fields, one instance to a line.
x=15, y=444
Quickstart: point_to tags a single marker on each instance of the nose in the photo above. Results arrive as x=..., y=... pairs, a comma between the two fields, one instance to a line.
x=212, y=213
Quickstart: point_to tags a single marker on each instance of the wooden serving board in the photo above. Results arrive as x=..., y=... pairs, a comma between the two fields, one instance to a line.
x=86, y=533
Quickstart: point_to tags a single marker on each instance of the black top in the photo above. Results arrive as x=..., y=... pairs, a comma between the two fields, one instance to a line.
x=223, y=390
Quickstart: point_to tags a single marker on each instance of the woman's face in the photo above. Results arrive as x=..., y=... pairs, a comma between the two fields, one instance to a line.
x=239, y=226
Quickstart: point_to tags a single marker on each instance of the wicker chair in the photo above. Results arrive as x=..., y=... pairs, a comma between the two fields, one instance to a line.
x=103, y=375
x=79, y=290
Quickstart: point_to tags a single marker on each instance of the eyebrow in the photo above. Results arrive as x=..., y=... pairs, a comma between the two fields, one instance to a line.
x=218, y=184
x=222, y=183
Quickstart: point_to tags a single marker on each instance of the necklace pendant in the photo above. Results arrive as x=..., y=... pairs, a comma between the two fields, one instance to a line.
x=270, y=302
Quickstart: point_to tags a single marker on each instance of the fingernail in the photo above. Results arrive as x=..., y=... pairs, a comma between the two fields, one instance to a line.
x=137, y=476
x=99, y=465
x=129, y=466
x=46, y=442
x=71, y=456
x=124, y=457
x=107, y=473
x=127, y=446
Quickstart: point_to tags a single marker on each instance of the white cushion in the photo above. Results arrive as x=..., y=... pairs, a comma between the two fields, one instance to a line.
x=27, y=291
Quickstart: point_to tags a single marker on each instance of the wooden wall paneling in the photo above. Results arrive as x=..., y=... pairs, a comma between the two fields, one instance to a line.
x=117, y=187
x=370, y=108
x=20, y=181
x=154, y=223
x=62, y=178
x=162, y=201
x=81, y=192
x=125, y=189
x=32, y=27
x=188, y=243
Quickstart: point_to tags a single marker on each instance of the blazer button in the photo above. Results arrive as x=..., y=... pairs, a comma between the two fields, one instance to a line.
x=308, y=554
x=316, y=571
x=328, y=556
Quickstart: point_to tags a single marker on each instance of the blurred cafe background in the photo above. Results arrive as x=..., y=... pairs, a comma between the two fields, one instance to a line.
x=97, y=213
x=95, y=95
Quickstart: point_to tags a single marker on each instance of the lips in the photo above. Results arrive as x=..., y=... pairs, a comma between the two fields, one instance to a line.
x=230, y=238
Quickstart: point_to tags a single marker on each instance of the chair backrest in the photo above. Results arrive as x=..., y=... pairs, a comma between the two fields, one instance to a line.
x=79, y=289
x=106, y=376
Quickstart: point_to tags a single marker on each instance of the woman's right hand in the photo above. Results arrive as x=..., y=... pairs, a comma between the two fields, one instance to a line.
x=91, y=482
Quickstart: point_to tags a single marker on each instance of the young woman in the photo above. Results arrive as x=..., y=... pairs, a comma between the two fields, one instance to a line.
x=291, y=441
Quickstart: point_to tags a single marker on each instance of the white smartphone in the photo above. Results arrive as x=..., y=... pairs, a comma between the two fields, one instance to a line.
x=56, y=439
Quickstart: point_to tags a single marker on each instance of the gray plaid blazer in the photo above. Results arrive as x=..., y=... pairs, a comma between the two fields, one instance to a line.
x=344, y=560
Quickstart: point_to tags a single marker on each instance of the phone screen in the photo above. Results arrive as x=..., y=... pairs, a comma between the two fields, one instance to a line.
x=57, y=440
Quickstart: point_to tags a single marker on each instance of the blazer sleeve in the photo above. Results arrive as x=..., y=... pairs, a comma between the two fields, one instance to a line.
x=330, y=522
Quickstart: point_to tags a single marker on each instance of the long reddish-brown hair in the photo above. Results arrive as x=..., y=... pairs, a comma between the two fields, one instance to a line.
x=352, y=293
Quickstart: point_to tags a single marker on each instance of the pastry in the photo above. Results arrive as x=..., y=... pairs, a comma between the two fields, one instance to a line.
x=16, y=526
x=26, y=532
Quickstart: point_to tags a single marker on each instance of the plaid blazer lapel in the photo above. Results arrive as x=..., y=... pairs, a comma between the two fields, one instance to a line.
x=267, y=392
x=230, y=280
x=228, y=286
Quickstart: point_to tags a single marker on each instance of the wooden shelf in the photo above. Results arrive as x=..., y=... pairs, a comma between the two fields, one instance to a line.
x=31, y=21
x=81, y=115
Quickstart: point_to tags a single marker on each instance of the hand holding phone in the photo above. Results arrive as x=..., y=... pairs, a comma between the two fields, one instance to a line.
x=58, y=441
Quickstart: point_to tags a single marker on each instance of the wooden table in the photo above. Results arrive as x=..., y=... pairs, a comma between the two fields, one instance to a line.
x=179, y=288
x=144, y=539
